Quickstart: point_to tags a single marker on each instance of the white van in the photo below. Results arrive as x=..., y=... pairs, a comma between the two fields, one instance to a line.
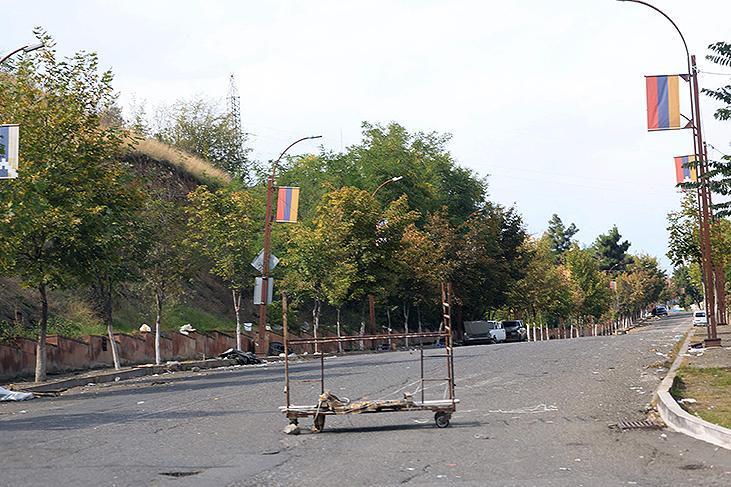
x=483, y=332
x=699, y=318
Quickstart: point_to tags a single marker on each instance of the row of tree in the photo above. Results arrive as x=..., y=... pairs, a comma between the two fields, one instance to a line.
x=81, y=217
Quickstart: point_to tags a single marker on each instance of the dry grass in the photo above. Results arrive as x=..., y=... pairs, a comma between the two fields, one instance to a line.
x=710, y=388
x=201, y=169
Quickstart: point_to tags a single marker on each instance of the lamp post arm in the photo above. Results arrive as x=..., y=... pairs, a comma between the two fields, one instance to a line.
x=9, y=55
x=276, y=163
x=682, y=37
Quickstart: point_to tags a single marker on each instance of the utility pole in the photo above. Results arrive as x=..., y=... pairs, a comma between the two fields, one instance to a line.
x=712, y=339
x=371, y=298
x=704, y=191
x=262, y=340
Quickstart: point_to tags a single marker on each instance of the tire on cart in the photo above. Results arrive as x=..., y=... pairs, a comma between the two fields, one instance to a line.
x=318, y=423
x=441, y=418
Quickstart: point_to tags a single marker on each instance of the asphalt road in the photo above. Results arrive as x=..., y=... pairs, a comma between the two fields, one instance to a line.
x=530, y=414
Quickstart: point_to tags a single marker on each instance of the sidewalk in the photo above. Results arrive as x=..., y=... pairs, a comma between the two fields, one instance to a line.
x=703, y=384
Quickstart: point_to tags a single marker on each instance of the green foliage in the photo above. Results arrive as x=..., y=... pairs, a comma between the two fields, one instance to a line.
x=430, y=177
x=560, y=236
x=199, y=127
x=641, y=286
x=685, y=289
x=222, y=226
x=683, y=239
x=593, y=296
x=611, y=253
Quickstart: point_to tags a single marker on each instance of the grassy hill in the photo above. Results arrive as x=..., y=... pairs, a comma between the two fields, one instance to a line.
x=206, y=303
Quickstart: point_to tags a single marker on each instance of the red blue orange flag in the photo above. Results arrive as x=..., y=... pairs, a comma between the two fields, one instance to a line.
x=685, y=170
x=287, y=204
x=663, y=102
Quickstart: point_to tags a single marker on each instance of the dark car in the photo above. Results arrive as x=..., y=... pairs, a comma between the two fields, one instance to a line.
x=515, y=330
x=660, y=311
x=275, y=348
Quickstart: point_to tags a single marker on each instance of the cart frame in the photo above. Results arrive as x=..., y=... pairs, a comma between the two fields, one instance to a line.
x=442, y=409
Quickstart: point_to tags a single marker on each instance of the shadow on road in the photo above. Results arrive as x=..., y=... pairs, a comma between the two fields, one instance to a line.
x=400, y=427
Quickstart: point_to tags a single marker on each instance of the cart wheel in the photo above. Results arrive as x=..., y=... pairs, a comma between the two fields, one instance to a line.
x=442, y=419
x=318, y=424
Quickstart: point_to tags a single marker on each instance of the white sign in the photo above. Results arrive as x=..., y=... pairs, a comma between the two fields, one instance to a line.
x=258, y=261
x=258, y=287
x=9, y=136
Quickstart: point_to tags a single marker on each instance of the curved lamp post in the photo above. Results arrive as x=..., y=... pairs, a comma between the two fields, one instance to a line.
x=704, y=192
x=263, y=338
x=28, y=48
x=387, y=181
x=371, y=297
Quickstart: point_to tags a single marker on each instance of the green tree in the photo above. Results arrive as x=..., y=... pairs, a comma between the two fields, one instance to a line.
x=683, y=238
x=48, y=213
x=612, y=253
x=593, y=296
x=115, y=241
x=168, y=263
x=222, y=226
x=560, y=236
x=199, y=127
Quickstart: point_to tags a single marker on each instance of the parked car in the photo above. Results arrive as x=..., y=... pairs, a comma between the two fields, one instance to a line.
x=699, y=318
x=515, y=330
x=275, y=348
x=483, y=332
x=660, y=311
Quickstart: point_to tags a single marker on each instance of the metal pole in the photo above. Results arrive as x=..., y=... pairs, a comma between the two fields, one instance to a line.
x=371, y=297
x=263, y=336
x=322, y=372
x=27, y=48
x=704, y=190
x=285, y=332
x=712, y=339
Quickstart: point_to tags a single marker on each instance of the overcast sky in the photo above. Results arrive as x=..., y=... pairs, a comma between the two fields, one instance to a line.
x=544, y=97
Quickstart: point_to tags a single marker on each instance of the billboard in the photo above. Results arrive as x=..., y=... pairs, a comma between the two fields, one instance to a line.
x=9, y=136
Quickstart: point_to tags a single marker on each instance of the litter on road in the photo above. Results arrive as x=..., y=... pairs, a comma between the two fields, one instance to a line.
x=8, y=395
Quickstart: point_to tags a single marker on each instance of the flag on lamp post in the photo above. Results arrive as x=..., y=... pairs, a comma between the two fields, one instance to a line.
x=9, y=136
x=685, y=169
x=663, y=102
x=287, y=204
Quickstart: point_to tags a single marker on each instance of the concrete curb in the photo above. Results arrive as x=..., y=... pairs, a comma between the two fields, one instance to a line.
x=680, y=420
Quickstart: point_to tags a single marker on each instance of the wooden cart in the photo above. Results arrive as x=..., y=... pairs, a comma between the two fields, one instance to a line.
x=328, y=404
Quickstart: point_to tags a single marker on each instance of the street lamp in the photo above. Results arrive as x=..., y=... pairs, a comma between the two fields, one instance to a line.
x=387, y=181
x=704, y=192
x=26, y=49
x=262, y=342
x=371, y=297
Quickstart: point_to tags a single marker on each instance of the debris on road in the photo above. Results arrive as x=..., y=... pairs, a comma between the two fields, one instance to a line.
x=241, y=358
x=291, y=429
x=8, y=395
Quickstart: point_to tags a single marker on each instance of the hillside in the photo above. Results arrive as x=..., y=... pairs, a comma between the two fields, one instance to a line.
x=206, y=301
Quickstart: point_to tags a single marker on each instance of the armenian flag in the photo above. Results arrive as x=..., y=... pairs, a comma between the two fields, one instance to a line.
x=287, y=204
x=663, y=102
x=685, y=170
x=9, y=135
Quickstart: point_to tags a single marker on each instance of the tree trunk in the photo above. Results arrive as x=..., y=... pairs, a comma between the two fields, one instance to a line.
x=337, y=325
x=406, y=323
x=158, y=302
x=42, y=330
x=362, y=332
x=418, y=320
x=106, y=288
x=237, y=307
